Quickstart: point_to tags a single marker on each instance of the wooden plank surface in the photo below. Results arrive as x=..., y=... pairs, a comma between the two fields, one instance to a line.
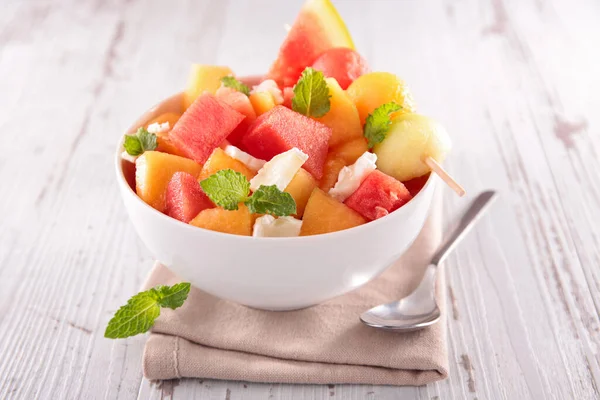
x=515, y=83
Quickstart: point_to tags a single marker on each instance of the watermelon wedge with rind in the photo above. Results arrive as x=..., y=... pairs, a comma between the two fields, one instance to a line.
x=317, y=28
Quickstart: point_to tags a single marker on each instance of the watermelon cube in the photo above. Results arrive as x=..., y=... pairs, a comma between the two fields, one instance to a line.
x=378, y=195
x=415, y=185
x=185, y=198
x=204, y=126
x=239, y=102
x=282, y=129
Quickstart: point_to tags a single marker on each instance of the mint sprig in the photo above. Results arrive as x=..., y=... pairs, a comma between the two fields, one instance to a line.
x=227, y=188
x=141, y=310
x=231, y=82
x=142, y=141
x=378, y=123
x=311, y=94
x=271, y=200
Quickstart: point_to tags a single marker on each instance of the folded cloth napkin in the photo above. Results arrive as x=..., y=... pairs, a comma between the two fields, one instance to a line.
x=212, y=338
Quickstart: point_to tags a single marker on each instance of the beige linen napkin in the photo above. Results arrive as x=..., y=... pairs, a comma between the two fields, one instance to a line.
x=212, y=338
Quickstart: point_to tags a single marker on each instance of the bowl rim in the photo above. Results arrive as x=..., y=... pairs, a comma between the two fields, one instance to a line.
x=118, y=162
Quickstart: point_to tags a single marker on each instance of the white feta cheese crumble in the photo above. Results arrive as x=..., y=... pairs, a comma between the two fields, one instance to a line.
x=350, y=178
x=240, y=155
x=128, y=157
x=269, y=226
x=269, y=86
x=159, y=128
x=280, y=170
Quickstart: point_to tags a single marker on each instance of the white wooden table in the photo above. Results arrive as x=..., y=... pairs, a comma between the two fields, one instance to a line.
x=515, y=82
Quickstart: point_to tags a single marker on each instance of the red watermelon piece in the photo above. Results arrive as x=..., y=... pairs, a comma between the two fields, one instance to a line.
x=204, y=126
x=343, y=64
x=185, y=198
x=281, y=129
x=239, y=102
x=317, y=28
x=415, y=185
x=378, y=195
x=288, y=95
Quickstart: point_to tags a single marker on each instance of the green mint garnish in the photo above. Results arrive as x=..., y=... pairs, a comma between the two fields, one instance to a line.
x=227, y=188
x=140, y=312
x=311, y=94
x=231, y=82
x=142, y=141
x=271, y=200
x=378, y=123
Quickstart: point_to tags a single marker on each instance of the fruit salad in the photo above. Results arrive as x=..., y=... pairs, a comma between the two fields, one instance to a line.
x=320, y=144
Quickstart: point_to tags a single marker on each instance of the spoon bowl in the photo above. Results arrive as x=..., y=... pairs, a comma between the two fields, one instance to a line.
x=419, y=309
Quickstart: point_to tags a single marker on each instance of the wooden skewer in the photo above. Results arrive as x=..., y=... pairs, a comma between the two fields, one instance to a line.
x=441, y=172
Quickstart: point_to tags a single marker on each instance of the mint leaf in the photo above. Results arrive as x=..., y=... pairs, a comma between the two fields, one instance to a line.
x=378, y=123
x=142, y=141
x=173, y=296
x=271, y=200
x=226, y=188
x=231, y=82
x=147, y=139
x=132, y=145
x=311, y=94
x=140, y=312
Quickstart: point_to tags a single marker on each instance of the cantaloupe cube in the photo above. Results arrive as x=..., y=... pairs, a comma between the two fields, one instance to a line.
x=203, y=78
x=153, y=172
x=300, y=188
x=170, y=117
x=238, y=222
x=377, y=88
x=219, y=160
x=165, y=145
x=331, y=170
x=163, y=142
x=324, y=214
x=342, y=117
x=350, y=151
x=262, y=102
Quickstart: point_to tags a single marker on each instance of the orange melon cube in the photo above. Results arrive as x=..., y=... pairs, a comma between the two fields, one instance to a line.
x=237, y=222
x=163, y=142
x=300, y=188
x=169, y=117
x=350, y=151
x=220, y=160
x=324, y=214
x=262, y=102
x=374, y=89
x=342, y=117
x=331, y=170
x=203, y=78
x=154, y=170
x=165, y=145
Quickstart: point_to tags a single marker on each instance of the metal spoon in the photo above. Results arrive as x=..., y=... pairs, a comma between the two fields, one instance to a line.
x=419, y=309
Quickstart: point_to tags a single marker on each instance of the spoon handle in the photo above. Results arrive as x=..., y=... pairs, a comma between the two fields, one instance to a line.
x=479, y=205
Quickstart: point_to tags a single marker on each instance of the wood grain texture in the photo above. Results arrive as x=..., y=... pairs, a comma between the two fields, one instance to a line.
x=515, y=83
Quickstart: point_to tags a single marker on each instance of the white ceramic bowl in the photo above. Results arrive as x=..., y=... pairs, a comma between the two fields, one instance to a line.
x=272, y=273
